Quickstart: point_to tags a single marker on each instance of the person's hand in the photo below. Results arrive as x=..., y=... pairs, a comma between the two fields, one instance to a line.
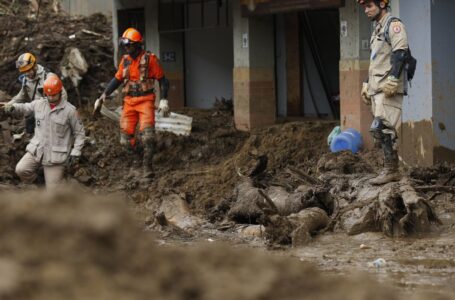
x=390, y=88
x=7, y=107
x=98, y=104
x=366, y=98
x=72, y=161
x=163, y=108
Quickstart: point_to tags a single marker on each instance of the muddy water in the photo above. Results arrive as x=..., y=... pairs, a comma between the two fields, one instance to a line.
x=419, y=264
x=427, y=263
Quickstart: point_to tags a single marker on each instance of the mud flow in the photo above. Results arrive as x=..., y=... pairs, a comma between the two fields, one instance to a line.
x=268, y=214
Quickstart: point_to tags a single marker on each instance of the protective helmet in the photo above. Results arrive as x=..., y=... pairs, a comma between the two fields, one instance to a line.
x=25, y=62
x=130, y=36
x=52, y=85
x=378, y=2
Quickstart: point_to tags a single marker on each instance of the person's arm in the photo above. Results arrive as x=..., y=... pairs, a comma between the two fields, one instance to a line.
x=400, y=48
x=21, y=97
x=77, y=128
x=24, y=108
x=164, y=87
x=112, y=86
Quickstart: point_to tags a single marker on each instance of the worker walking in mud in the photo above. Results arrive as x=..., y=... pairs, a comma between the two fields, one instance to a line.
x=137, y=71
x=32, y=79
x=385, y=86
x=59, y=134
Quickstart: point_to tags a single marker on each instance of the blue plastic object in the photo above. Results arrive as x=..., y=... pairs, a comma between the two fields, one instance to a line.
x=350, y=139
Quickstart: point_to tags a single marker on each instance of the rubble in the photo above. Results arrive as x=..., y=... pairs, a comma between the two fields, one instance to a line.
x=278, y=184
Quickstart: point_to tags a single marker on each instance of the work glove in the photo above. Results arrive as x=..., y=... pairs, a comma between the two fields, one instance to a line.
x=8, y=108
x=72, y=161
x=366, y=98
x=98, y=104
x=163, y=108
x=390, y=88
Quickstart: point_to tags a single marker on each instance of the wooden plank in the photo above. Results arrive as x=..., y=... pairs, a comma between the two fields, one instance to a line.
x=175, y=123
x=282, y=6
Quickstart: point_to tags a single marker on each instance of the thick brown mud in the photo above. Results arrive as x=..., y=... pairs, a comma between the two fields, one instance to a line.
x=89, y=245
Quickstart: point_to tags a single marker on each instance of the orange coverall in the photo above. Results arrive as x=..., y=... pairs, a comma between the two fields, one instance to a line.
x=141, y=108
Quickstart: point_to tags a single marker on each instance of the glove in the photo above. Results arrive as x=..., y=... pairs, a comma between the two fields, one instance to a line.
x=366, y=98
x=163, y=108
x=72, y=161
x=8, y=108
x=390, y=88
x=98, y=103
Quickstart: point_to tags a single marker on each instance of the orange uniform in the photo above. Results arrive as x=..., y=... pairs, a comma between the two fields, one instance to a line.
x=138, y=76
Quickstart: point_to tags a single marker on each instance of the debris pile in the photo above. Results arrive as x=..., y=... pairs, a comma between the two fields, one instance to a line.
x=42, y=28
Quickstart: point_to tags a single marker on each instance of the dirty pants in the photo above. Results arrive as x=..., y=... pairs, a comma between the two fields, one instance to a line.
x=389, y=110
x=137, y=110
x=28, y=166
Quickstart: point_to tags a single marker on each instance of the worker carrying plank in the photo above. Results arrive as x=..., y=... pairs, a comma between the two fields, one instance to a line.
x=137, y=71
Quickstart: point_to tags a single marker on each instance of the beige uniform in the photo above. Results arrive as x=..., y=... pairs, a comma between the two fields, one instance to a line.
x=33, y=88
x=389, y=109
x=58, y=133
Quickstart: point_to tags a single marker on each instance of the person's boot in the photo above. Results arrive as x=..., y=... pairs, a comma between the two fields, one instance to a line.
x=147, y=161
x=390, y=170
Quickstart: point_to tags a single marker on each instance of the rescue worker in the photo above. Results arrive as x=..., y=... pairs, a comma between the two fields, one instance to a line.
x=59, y=134
x=32, y=78
x=137, y=71
x=385, y=86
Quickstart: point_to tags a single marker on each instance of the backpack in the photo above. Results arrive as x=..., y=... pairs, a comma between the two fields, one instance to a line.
x=411, y=62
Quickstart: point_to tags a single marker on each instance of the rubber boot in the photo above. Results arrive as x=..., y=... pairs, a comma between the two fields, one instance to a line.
x=390, y=171
x=147, y=160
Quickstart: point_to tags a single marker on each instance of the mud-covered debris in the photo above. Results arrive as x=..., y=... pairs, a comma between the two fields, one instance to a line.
x=295, y=229
x=174, y=209
x=71, y=244
x=244, y=210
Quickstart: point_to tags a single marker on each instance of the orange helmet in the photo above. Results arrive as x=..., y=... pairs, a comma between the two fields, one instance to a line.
x=130, y=36
x=25, y=62
x=378, y=2
x=52, y=85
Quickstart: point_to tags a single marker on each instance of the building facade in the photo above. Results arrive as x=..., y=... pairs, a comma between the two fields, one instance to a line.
x=287, y=59
x=85, y=8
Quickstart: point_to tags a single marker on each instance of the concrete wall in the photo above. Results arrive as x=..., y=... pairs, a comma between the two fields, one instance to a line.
x=254, y=70
x=354, y=62
x=417, y=125
x=84, y=7
x=208, y=58
x=209, y=65
x=443, y=63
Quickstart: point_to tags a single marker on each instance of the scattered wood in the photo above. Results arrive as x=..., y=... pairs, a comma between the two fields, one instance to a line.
x=306, y=177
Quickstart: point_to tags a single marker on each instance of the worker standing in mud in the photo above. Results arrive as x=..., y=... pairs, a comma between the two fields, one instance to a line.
x=59, y=134
x=137, y=71
x=32, y=79
x=385, y=86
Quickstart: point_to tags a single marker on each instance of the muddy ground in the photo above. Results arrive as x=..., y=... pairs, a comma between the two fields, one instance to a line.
x=197, y=176
x=91, y=248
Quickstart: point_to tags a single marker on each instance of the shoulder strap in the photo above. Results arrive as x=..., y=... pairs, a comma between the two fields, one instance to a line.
x=387, y=28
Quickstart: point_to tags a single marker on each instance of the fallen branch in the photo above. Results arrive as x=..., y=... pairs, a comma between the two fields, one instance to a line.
x=307, y=177
x=436, y=188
